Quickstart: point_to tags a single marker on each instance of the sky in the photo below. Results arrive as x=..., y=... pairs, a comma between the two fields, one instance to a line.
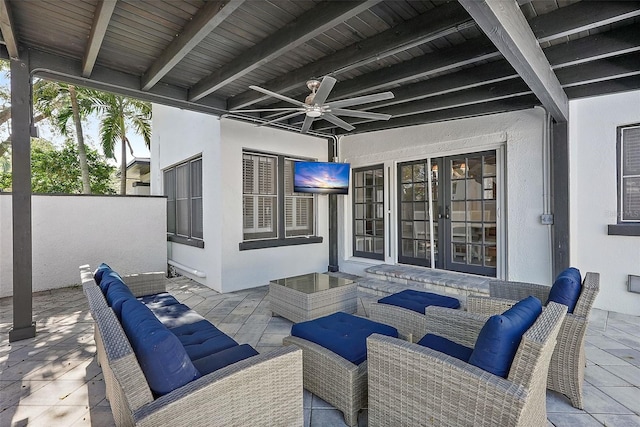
x=91, y=129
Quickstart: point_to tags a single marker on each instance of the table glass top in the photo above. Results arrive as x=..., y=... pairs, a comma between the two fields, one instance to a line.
x=312, y=282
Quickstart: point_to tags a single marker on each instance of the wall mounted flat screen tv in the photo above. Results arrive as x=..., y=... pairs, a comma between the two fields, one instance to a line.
x=321, y=177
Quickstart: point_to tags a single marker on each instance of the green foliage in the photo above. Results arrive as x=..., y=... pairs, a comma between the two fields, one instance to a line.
x=58, y=170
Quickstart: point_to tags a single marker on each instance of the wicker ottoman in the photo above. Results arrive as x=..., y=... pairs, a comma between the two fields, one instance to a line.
x=405, y=311
x=334, y=352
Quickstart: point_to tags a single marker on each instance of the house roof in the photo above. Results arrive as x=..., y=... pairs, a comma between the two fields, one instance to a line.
x=442, y=60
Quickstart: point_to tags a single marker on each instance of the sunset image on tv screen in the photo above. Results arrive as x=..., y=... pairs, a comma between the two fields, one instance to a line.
x=321, y=177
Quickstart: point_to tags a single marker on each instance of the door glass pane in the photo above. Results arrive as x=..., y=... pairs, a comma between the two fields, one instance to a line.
x=418, y=173
x=407, y=248
x=489, y=185
x=407, y=229
x=406, y=174
x=457, y=190
x=474, y=188
x=458, y=211
x=459, y=252
x=419, y=192
x=489, y=165
x=378, y=245
x=475, y=254
x=406, y=211
x=490, y=233
x=458, y=169
x=406, y=193
x=475, y=233
x=489, y=211
x=490, y=256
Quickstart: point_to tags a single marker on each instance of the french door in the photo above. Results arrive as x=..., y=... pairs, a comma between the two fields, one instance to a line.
x=447, y=213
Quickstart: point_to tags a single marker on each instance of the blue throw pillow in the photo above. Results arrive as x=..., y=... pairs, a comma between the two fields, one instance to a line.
x=500, y=337
x=566, y=288
x=97, y=275
x=109, y=277
x=162, y=357
x=117, y=294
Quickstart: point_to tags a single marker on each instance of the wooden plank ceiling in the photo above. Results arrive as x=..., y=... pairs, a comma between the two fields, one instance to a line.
x=442, y=60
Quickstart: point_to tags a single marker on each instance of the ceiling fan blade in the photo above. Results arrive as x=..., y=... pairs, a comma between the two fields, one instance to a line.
x=279, y=119
x=323, y=91
x=277, y=95
x=265, y=110
x=360, y=114
x=362, y=100
x=337, y=121
x=307, y=124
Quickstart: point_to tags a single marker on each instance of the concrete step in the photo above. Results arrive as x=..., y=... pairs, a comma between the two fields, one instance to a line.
x=384, y=279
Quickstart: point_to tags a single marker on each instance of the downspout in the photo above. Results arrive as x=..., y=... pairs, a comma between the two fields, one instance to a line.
x=547, y=216
x=189, y=270
x=332, y=154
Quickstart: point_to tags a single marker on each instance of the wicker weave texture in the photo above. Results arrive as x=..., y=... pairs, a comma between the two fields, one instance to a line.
x=333, y=378
x=567, y=366
x=411, y=385
x=263, y=390
x=409, y=323
x=299, y=306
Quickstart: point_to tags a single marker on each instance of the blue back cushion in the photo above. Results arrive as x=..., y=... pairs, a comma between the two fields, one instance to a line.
x=500, y=336
x=566, y=288
x=162, y=357
x=419, y=300
x=97, y=275
x=109, y=277
x=343, y=334
x=446, y=346
x=117, y=294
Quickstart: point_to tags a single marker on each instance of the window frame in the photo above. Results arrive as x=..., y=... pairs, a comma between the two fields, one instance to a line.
x=280, y=238
x=623, y=227
x=192, y=237
x=364, y=254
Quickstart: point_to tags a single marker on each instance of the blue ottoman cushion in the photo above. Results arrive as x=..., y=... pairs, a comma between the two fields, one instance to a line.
x=418, y=300
x=500, y=336
x=566, y=288
x=219, y=360
x=342, y=333
x=162, y=357
x=446, y=346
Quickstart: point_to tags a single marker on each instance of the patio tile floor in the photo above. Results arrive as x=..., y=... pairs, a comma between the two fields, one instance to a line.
x=53, y=379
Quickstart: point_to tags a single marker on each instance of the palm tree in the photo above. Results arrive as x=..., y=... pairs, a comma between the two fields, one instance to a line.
x=119, y=115
x=61, y=102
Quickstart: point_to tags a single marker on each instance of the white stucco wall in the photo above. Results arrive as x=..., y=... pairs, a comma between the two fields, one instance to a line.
x=179, y=135
x=592, y=138
x=128, y=233
x=520, y=137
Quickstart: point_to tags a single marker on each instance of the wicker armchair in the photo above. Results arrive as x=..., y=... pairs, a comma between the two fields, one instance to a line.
x=566, y=371
x=411, y=385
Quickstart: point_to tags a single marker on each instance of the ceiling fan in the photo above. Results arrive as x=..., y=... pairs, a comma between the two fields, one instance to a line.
x=315, y=107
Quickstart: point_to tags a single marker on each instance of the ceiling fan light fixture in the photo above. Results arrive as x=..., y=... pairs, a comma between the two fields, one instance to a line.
x=314, y=113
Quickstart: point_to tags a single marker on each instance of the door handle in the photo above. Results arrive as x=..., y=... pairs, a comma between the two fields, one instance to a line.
x=447, y=213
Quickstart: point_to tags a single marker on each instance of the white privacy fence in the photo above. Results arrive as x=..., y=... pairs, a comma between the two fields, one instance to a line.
x=128, y=233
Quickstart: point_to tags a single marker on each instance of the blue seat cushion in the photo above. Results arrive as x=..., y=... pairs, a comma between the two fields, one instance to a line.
x=159, y=300
x=446, y=346
x=117, y=294
x=97, y=275
x=213, y=362
x=500, y=336
x=342, y=333
x=418, y=300
x=201, y=339
x=566, y=288
x=163, y=359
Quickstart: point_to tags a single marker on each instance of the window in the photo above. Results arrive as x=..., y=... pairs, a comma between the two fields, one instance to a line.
x=272, y=213
x=368, y=212
x=183, y=188
x=628, y=156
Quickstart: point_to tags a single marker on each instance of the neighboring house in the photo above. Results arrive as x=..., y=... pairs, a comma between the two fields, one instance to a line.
x=138, y=176
x=469, y=195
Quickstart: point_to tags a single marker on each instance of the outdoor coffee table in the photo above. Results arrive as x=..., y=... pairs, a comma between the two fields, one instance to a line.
x=312, y=295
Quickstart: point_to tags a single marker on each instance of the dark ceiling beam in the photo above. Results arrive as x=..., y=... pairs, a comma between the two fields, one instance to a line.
x=624, y=84
x=581, y=16
x=101, y=18
x=59, y=68
x=598, y=46
x=211, y=15
x=590, y=69
x=499, y=106
x=437, y=23
x=506, y=26
x=312, y=23
x=6, y=26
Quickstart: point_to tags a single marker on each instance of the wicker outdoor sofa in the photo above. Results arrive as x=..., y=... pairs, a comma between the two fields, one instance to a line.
x=262, y=390
x=412, y=385
x=566, y=371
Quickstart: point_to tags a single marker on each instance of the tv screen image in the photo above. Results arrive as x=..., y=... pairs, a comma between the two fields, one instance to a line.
x=321, y=177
